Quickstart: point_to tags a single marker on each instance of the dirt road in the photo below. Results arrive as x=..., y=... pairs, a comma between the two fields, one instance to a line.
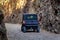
x=14, y=33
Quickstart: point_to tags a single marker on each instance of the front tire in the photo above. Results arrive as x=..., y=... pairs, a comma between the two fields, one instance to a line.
x=38, y=29
x=23, y=29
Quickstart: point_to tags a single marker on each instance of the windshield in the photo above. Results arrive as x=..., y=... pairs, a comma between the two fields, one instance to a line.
x=30, y=17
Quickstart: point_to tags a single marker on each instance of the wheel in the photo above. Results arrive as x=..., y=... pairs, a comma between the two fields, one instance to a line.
x=38, y=29
x=33, y=30
x=23, y=29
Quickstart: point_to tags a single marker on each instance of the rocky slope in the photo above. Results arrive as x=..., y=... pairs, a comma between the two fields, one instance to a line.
x=47, y=10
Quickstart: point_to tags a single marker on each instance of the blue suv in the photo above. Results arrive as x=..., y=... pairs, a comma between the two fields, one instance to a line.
x=30, y=21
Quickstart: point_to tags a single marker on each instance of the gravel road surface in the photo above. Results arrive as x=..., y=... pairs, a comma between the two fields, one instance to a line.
x=14, y=33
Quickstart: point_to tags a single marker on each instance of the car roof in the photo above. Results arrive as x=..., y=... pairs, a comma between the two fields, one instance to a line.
x=29, y=14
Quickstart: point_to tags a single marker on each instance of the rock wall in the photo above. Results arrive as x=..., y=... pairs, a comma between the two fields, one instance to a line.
x=47, y=10
x=50, y=10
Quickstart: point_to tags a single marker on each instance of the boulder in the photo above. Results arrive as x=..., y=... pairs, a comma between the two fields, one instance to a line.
x=3, y=32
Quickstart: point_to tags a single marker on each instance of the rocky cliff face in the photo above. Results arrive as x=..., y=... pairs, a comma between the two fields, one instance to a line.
x=48, y=11
x=51, y=15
